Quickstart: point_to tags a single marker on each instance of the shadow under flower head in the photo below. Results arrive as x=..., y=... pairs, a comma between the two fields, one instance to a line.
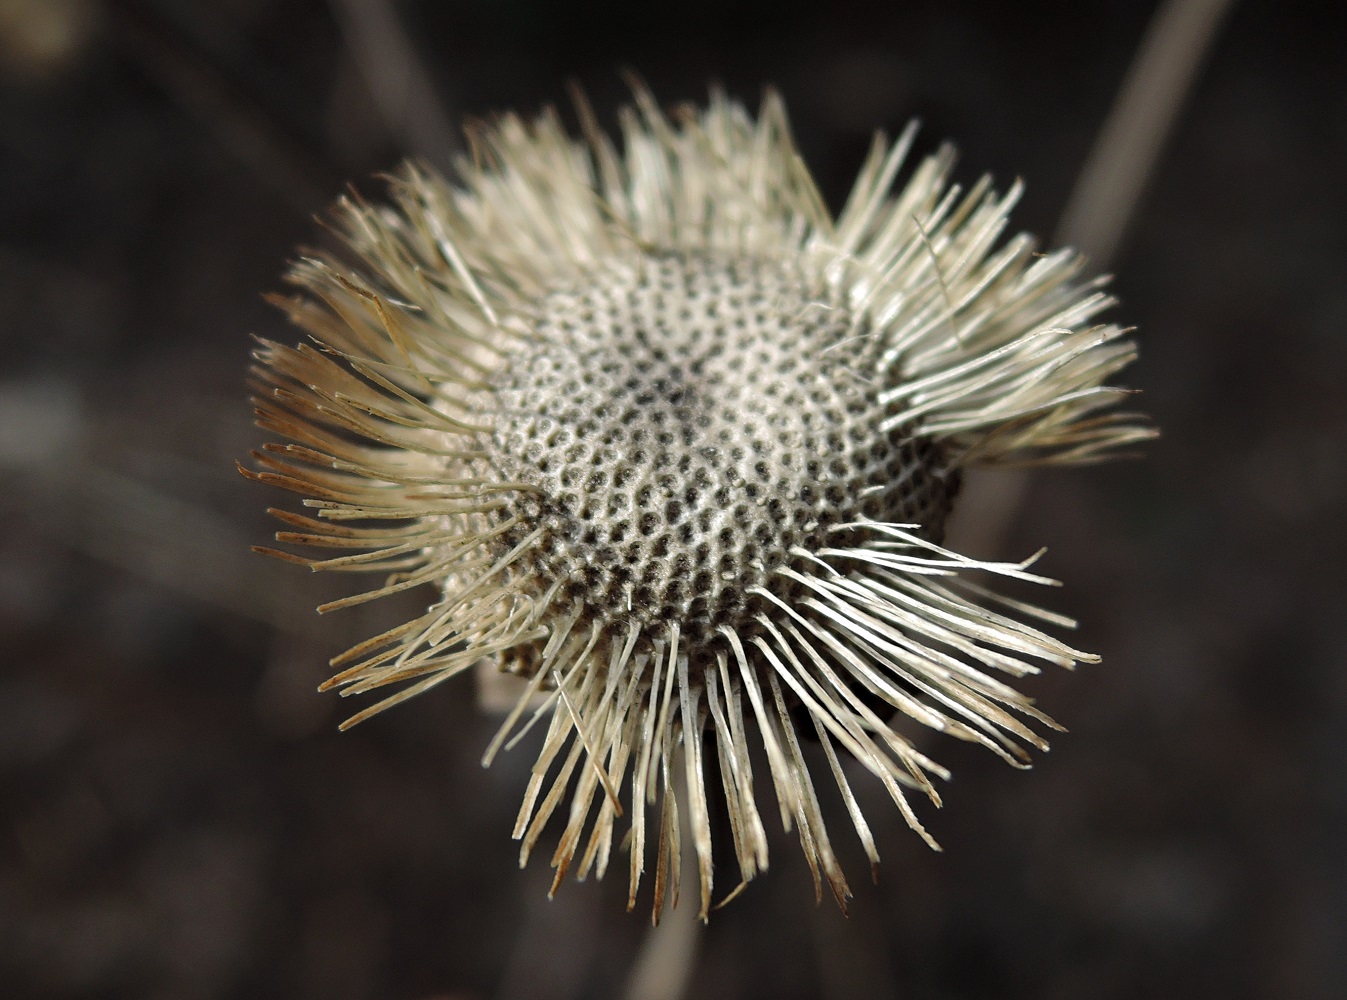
x=677, y=447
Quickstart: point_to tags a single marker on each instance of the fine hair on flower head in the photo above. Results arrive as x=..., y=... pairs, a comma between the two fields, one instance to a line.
x=677, y=447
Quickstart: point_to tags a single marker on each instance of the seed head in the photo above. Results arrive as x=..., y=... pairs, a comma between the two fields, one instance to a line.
x=677, y=447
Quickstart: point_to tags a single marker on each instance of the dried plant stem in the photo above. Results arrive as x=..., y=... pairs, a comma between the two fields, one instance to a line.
x=1101, y=207
x=663, y=967
x=1152, y=96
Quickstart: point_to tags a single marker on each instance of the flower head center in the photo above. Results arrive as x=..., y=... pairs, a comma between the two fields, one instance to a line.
x=689, y=422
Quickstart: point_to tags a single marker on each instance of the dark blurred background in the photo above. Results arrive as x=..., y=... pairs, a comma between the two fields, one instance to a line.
x=179, y=817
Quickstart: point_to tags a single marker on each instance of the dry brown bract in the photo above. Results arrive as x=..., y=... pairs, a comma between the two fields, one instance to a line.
x=678, y=447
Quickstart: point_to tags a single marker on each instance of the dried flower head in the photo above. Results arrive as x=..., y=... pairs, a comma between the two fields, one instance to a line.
x=677, y=447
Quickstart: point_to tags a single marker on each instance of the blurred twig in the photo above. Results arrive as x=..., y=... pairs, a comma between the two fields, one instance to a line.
x=177, y=544
x=1102, y=205
x=237, y=120
x=397, y=79
x=1153, y=94
x=48, y=444
x=663, y=967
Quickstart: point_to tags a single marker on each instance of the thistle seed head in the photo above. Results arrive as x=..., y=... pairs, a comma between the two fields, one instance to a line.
x=677, y=447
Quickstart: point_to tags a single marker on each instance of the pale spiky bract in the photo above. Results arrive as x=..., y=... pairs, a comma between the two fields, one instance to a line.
x=677, y=447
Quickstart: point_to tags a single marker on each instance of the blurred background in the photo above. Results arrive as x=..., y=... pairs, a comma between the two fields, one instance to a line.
x=179, y=817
